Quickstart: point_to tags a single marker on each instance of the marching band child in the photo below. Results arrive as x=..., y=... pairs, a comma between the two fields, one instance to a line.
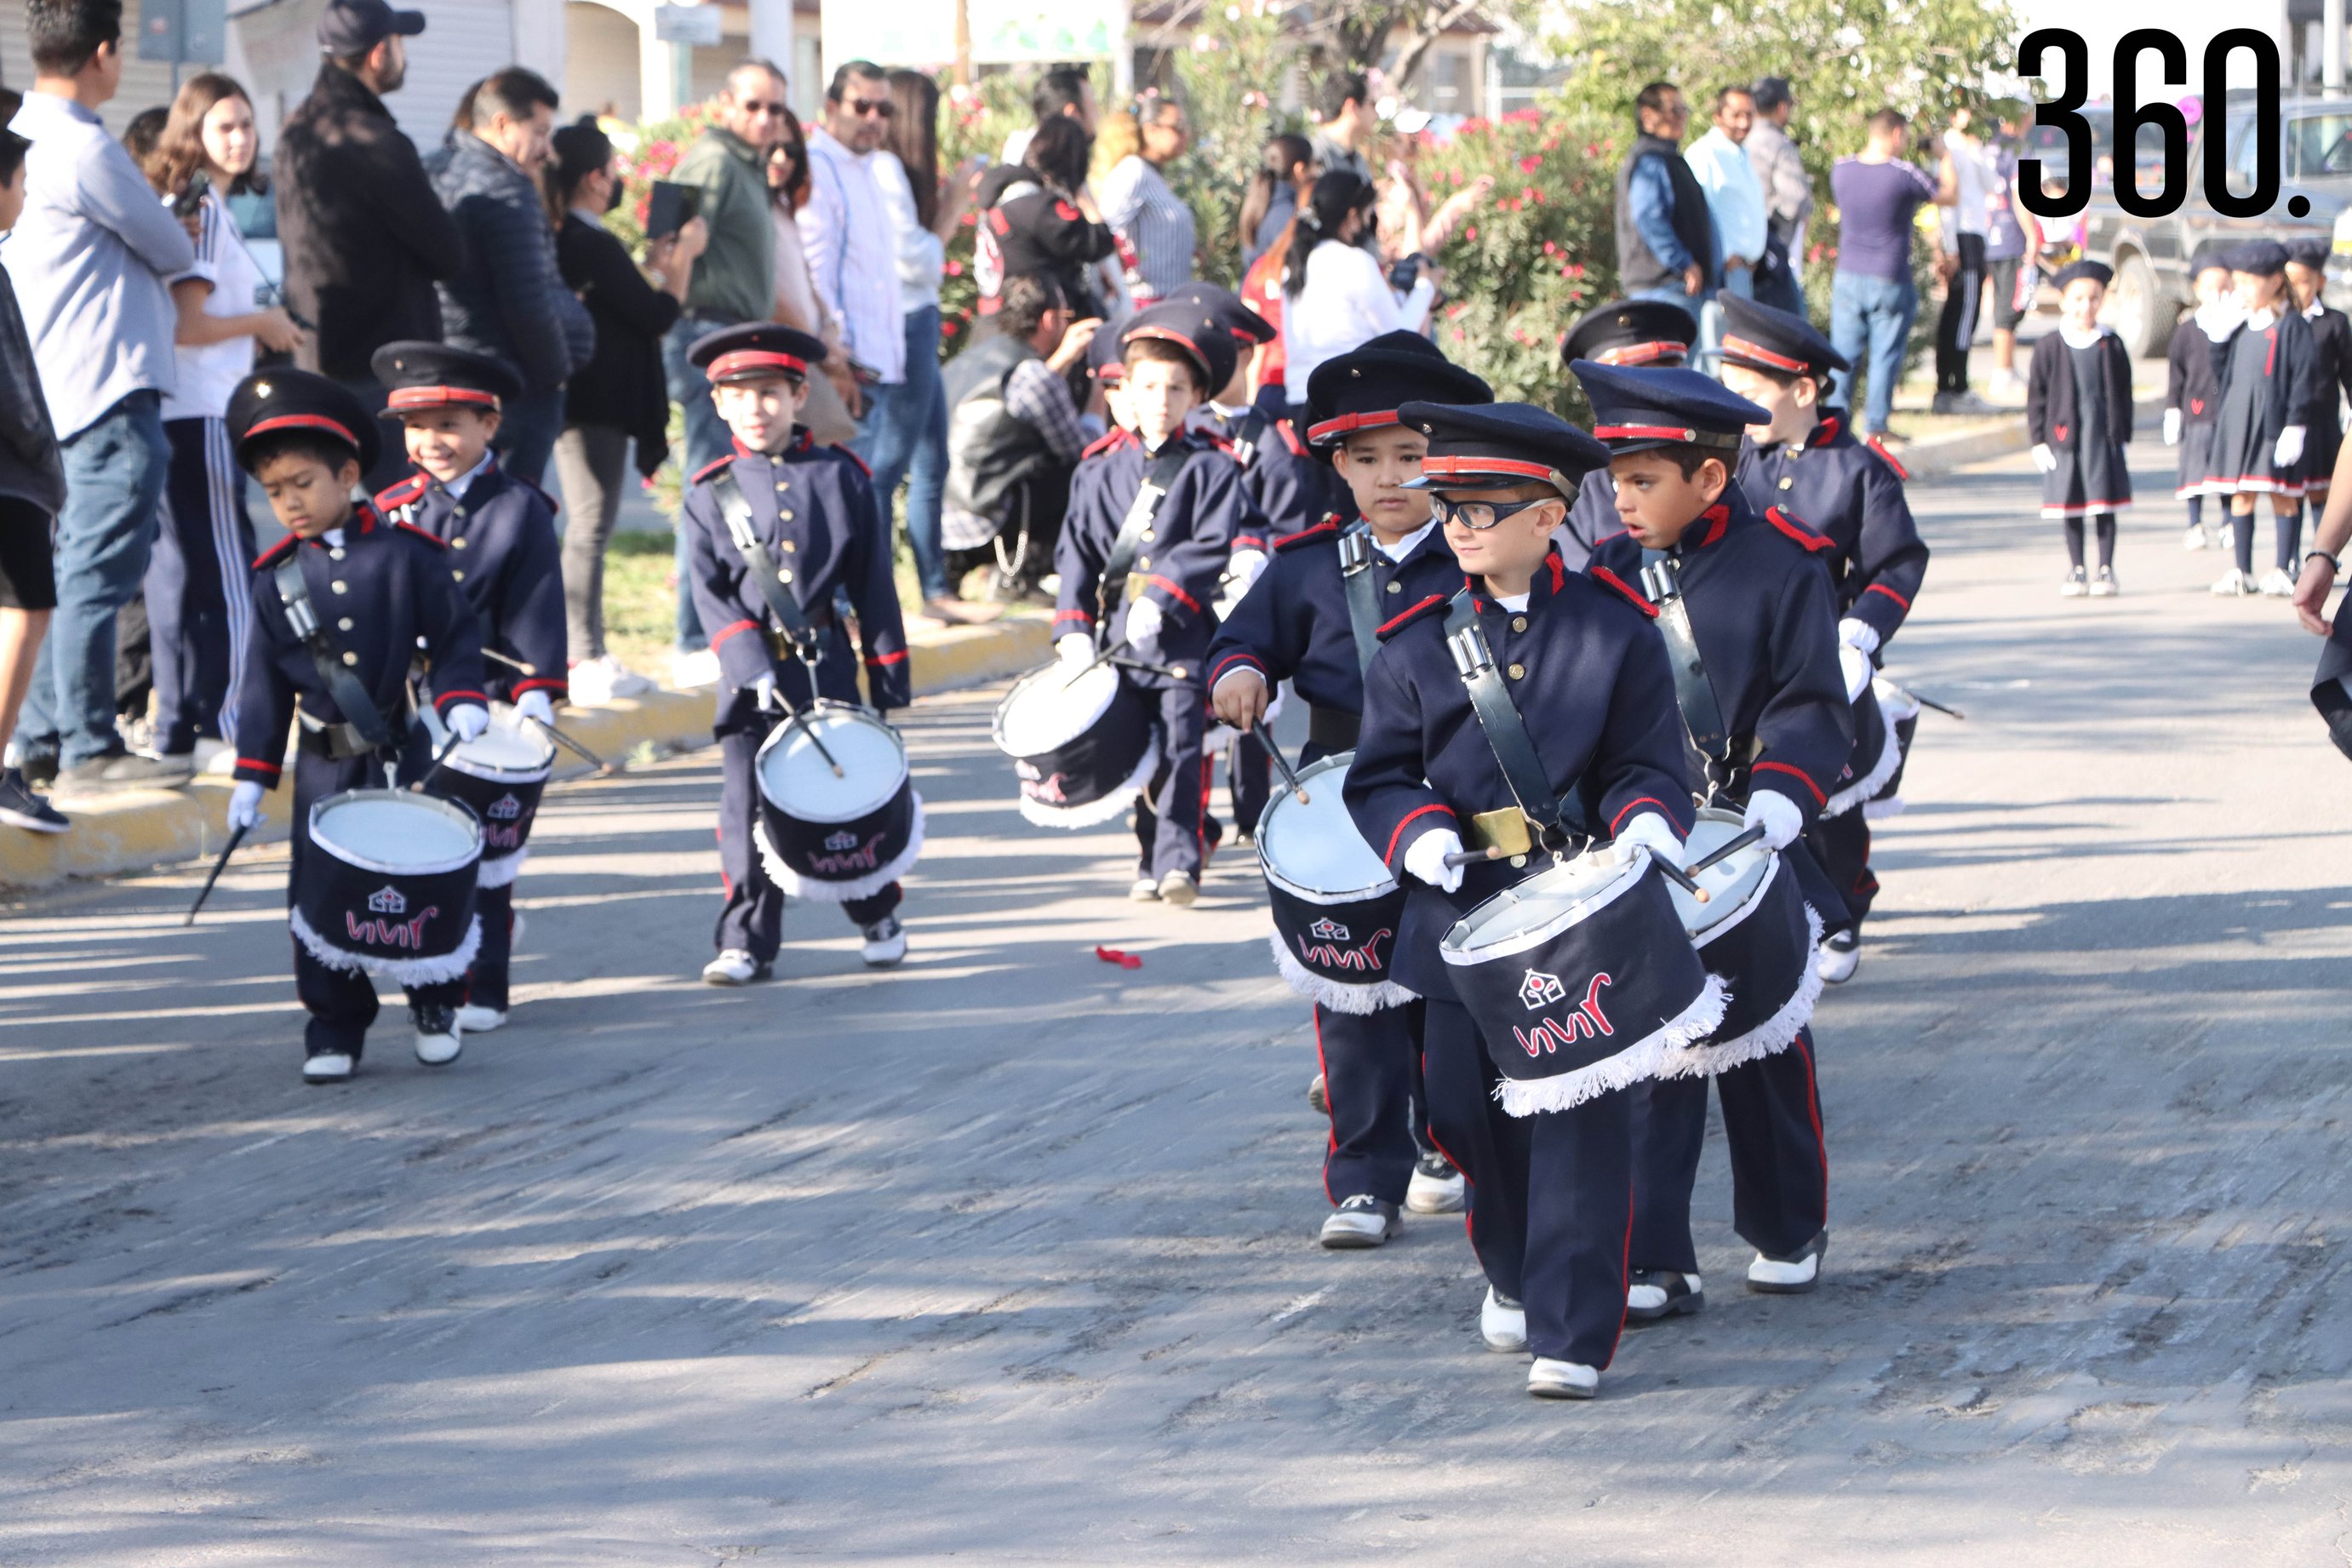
x=1552, y=1193
x=1623, y=331
x=2331, y=381
x=379, y=593
x=501, y=535
x=2192, y=390
x=1762, y=618
x=812, y=509
x=2267, y=370
x=1299, y=623
x=2078, y=412
x=1150, y=582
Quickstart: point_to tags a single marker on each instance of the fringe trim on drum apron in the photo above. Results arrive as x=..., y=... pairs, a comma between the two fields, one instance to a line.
x=400, y=971
x=502, y=871
x=1340, y=997
x=796, y=886
x=1095, y=813
x=1890, y=757
x=1772, y=1036
x=1640, y=1060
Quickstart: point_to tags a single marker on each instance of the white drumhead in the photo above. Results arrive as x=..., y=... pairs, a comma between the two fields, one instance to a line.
x=1314, y=850
x=1550, y=901
x=1047, y=710
x=395, y=830
x=795, y=776
x=1729, y=882
x=508, y=749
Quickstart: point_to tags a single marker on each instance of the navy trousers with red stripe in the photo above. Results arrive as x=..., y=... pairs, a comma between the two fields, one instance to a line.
x=1841, y=846
x=1550, y=1194
x=752, y=918
x=1780, y=1165
x=1371, y=1079
x=1171, y=819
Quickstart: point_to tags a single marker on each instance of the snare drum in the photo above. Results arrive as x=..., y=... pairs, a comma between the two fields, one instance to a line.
x=1756, y=936
x=1901, y=711
x=1335, y=906
x=1872, y=761
x=837, y=838
x=387, y=886
x=1581, y=979
x=499, y=775
x=1082, y=743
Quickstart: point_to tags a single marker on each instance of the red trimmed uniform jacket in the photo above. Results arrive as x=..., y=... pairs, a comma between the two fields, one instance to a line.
x=1591, y=679
x=502, y=552
x=385, y=595
x=1853, y=495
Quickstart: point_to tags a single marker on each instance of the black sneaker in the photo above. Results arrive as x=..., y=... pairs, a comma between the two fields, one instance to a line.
x=1359, y=1222
x=1655, y=1294
x=20, y=807
x=39, y=768
x=122, y=768
x=438, y=1039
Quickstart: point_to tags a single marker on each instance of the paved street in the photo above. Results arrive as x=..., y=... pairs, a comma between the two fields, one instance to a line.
x=1008, y=1256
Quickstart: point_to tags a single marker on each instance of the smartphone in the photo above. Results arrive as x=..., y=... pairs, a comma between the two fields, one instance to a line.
x=670, y=209
x=1406, y=272
x=191, y=201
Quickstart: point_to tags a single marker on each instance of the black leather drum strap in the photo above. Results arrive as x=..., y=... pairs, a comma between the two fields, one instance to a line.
x=1506, y=732
x=1363, y=594
x=1247, y=434
x=1110, y=588
x=737, y=510
x=1333, y=729
x=359, y=709
x=1694, y=693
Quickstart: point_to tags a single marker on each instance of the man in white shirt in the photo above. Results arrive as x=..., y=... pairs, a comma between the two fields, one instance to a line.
x=846, y=234
x=1735, y=199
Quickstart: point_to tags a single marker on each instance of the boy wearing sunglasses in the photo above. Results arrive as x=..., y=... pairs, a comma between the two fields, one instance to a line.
x=1552, y=1193
x=1770, y=729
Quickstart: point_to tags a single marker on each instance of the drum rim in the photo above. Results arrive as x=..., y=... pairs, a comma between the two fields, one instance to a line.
x=822, y=707
x=1628, y=876
x=490, y=772
x=456, y=810
x=1336, y=763
x=996, y=720
x=1725, y=914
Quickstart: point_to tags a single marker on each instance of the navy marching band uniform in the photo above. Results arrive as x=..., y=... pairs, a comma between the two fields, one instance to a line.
x=1628, y=332
x=503, y=553
x=1296, y=624
x=383, y=591
x=814, y=509
x=1761, y=611
x=1551, y=1193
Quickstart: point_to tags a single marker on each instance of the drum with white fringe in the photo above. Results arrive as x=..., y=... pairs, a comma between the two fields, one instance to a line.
x=1335, y=906
x=1756, y=934
x=387, y=886
x=500, y=774
x=836, y=836
x=1901, y=711
x=1082, y=742
x=1581, y=979
x=1872, y=762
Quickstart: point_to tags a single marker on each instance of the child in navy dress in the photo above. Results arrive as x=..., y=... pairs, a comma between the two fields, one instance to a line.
x=2192, y=392
x=2078, y=410
x=2331, y=336
x=2266, y=368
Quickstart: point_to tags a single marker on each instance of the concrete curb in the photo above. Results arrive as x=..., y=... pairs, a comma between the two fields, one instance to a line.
x=1936, y=457
x=139, y=829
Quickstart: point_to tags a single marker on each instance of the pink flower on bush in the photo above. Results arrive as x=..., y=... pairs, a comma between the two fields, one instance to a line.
x=1530, y=164
x=1549, y=249
x=1470, y=233
x=955, y=269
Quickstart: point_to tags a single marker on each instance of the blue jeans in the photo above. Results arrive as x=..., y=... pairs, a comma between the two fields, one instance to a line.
x=908, y=440
x=115, y=470
x=1784, y=290
x=708, y=439
x=527, y=433
x=1873, y=314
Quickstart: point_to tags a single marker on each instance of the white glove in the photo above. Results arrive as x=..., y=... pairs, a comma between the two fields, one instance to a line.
x=1144, y=622
x=1855, y=665
x=1777, y=815
x=536, y=704
x=2045, y=458
x=245, y=805
x=763, y=692
x=468, y=719
x=1425, y=858
x=1858, y=635
x=2289, y=450
x=1074, y=647
x=2172, y=426
x=1245, y=569
x=1653, y=832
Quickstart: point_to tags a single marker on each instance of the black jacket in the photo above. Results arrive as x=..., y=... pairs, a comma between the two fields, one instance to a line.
x=365, y=233
x=1637, y=266
x=1035, y=230
x=2193, y=384
x=2050, y=392
x=508, y=299
x=621, y=386
x=503, y=553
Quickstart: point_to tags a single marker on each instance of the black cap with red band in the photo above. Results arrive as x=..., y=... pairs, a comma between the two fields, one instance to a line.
x=1497, y=445
x=756, y=351
x=420, y=375
x=1204, y=333
x=1762, y=338
x=271, y=401
x=1631, y=332
x=1363, y=389
x=1636, y=410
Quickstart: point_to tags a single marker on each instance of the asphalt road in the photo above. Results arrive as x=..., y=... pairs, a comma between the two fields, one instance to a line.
x=1007, y=1256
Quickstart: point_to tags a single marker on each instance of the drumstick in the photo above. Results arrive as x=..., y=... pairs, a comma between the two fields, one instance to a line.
x=792, y=717
x=515, y=663
x=235, y=838
x=439, y=757
x=1172, y=672
x=1725, y=850
x=1265, y=739
x=1474, y=856
x=599, y=764
x=1680, y=878
x=1479, y=857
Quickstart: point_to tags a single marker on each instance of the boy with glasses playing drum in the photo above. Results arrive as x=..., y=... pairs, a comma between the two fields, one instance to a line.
x=1312, y=618
x=1740, y=600
x=382, y=595
x=1550, y=1192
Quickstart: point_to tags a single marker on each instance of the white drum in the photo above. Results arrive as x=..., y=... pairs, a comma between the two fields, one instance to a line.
x=500, y=776
x=1082, y=742
x=386, y=885
x=1336, y=907
x=836, y=836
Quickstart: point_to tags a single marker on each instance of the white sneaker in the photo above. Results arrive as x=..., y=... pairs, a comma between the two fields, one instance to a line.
x=2005, y=384
x=1841, y=955
x=1664, y=1293
x=1145, y=891
x=2277, y=584
x=1549, y=1379
x=886, y=943
x=1789, y=1276
x=329, y=1067
x=474, y=1020
x=2194, y=539
x=1503, y=1323
x=2104, y=586
x=2232, y=584
x=1179, y=889
x=688, y=670
x=733, y=967
x=438, y=1038
x=214, y=756
x=603, y=677
x=1437, y=1187
x=2076, y=584
x=1359, y=1222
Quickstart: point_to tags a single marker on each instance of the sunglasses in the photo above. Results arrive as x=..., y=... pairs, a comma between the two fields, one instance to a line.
x=865, y=106
x=772, y=110
x=1480, y=515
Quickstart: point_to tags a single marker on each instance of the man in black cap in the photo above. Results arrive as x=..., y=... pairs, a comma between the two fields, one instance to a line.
x=1623, y=331
x=782, y=498
x=1806, y=462
x=365, y=236
x=1312, y=619
x=373, y=597
x=1550, y=1192
x=1740, y=597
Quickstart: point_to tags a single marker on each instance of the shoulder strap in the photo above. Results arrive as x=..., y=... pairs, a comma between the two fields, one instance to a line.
x=737, y=511
x=1363, y=597
x=1111, y=588
x=1694, y=693
x=359, y=709
x=1247, y=434
x=1505, y=730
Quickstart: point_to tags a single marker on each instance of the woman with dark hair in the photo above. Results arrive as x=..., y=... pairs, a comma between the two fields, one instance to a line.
x=199, y=604
x=1036, y=217
x=1335, y=298
x=825, y=415
x=1284, y=171
x=619, y=396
